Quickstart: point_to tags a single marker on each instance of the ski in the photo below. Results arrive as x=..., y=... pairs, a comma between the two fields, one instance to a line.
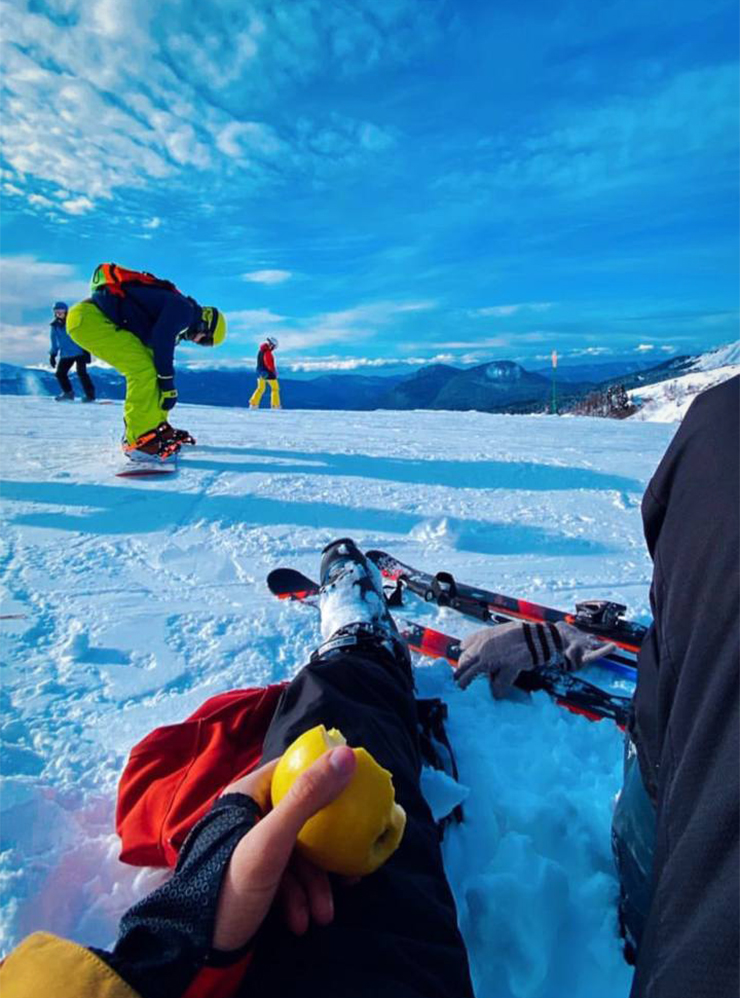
x=600, y=618
x=568, y=691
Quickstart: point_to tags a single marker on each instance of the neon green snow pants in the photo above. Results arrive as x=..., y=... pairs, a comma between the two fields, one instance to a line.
x=260, y=391
x=94, y=331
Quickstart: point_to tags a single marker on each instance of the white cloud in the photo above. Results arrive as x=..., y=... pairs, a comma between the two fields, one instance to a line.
x=152, y=223
x=374, y=138
x=162, y=88
x=501, y=311
x=347, y=325
x=238, y=138
x=28, y=284
x=357, y=363
x=254, y=317
x=24, y=344
x=267, y=276
x=480, y=344
x=416, y=306
x=40, y=200
x=644, y=348
x=77, y=206
x=589, y=352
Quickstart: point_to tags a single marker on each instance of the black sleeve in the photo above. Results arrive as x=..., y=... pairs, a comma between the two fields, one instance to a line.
x=176, y=316
x=165, y=939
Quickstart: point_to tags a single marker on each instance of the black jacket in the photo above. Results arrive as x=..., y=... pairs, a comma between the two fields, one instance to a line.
x=157, y=316
x=685, y=722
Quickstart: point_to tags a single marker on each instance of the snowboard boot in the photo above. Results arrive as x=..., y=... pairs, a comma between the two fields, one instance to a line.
x=353, y=607
x=65, y=397
x=89, y=398
x=154, y=445
x=179, y=436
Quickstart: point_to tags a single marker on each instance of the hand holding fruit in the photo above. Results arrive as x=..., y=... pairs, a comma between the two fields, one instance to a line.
x=357, y=832
x=336, y=806
x=257, y=868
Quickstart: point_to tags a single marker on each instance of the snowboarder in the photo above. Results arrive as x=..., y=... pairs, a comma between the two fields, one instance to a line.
x=69, y=354
x=393, y=933
x=133, y=321
x=266, y=375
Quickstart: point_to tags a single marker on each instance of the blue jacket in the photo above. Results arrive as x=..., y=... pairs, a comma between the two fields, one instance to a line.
x=155, y=315
x=61, y=343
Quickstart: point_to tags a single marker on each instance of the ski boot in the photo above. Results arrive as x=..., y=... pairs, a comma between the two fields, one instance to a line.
x=154, y=446
x=65, y=397
x=88, y=398
x=353, y=608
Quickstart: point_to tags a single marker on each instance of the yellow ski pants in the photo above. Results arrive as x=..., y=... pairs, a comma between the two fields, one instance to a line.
x=94, y=331
x=260, y=391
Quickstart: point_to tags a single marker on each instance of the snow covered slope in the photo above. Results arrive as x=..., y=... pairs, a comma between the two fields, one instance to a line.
x=667, y=401
x=125, y=604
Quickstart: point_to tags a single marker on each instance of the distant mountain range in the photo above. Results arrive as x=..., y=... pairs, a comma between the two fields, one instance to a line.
x=498, y=386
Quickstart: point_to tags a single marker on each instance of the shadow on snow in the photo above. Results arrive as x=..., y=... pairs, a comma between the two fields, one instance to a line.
x=118, y=509
x=525, y=475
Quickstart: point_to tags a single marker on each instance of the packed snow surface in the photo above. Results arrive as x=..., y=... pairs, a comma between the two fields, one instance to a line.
x=126, y=603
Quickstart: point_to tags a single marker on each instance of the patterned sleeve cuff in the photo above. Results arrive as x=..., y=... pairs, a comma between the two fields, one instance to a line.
x=165, y=939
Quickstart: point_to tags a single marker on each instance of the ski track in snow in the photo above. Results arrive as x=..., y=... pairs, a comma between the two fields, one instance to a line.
x=127, y=603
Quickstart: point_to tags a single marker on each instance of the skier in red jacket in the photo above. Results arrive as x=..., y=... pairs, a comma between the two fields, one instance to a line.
x=266, y=375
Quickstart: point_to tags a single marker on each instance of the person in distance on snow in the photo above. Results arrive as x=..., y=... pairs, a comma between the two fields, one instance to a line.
x=133, y=321
x=243, y=917
x=266, y=375
x=69, y=355
x=676, y=825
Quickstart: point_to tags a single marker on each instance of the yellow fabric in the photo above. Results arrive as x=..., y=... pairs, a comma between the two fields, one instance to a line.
x=45, y=966
x=260, y=391
x=219, y=333
x=94, y=331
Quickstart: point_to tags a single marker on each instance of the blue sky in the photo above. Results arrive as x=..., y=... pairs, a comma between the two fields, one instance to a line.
x=380, y=180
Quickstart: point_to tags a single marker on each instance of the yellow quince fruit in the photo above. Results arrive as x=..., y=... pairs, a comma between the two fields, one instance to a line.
x=357, y=832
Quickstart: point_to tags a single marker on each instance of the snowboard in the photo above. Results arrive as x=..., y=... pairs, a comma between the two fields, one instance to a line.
x=146, y=469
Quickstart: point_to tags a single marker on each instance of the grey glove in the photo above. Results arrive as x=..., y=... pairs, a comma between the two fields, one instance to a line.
x=505, y=650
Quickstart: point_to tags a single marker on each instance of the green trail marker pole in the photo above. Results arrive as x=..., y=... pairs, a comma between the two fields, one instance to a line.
x=554, y=405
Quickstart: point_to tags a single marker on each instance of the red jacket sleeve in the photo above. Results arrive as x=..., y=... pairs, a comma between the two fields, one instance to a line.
x=269, y=360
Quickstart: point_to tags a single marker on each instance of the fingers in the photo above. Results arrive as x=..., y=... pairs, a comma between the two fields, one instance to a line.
x=320, y=784
x=293, y=904
x=502, y=680
x=468, y=667
x=305, y=896
x=258, y=863
x=255, y=785
x=599, y=651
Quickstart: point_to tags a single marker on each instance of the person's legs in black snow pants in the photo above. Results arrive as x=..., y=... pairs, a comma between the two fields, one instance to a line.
x=394, y=933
